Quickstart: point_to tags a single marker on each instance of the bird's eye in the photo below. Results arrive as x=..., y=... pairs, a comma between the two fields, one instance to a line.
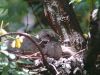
x=67, y=43
x=45, y=42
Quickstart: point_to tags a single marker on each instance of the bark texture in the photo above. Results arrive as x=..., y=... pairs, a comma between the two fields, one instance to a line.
x=60, y=15
x=94, y=44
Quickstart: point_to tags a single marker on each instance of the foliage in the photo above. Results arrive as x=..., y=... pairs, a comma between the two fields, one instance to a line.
x=12, y=12
x=83, y=8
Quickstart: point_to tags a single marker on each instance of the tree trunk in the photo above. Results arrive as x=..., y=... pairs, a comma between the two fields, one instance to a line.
x=94, y=44
x=60, y=15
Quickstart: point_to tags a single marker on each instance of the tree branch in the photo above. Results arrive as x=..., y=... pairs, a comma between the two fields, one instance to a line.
x=61, y=15
x=94, y=43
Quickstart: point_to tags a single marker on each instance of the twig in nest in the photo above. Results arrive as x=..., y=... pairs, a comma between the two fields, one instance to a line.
x=79, y=52
x=32, y=40
x=50, y=68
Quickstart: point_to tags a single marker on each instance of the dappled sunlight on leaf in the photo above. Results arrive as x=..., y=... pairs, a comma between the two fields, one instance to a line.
x=17, y=43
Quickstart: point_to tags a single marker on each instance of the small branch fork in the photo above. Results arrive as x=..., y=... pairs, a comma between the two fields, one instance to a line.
x=27, y=36
x=32, y=40
x=48, y=66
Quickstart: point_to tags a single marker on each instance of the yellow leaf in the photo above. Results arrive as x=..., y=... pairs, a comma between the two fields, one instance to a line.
x=2, y=31
x=17, y=43
x=21, y=39
x=85, y=35
x=13, y=44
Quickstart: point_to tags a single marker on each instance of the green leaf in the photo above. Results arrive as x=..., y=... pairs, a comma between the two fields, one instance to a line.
x=5, y=70
x=75, y=1
x=4, y=46
x=12, y=56
x=24, y=61
x=3, y=12
x=5, y=52
x=91, y=4
x=3, y=3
